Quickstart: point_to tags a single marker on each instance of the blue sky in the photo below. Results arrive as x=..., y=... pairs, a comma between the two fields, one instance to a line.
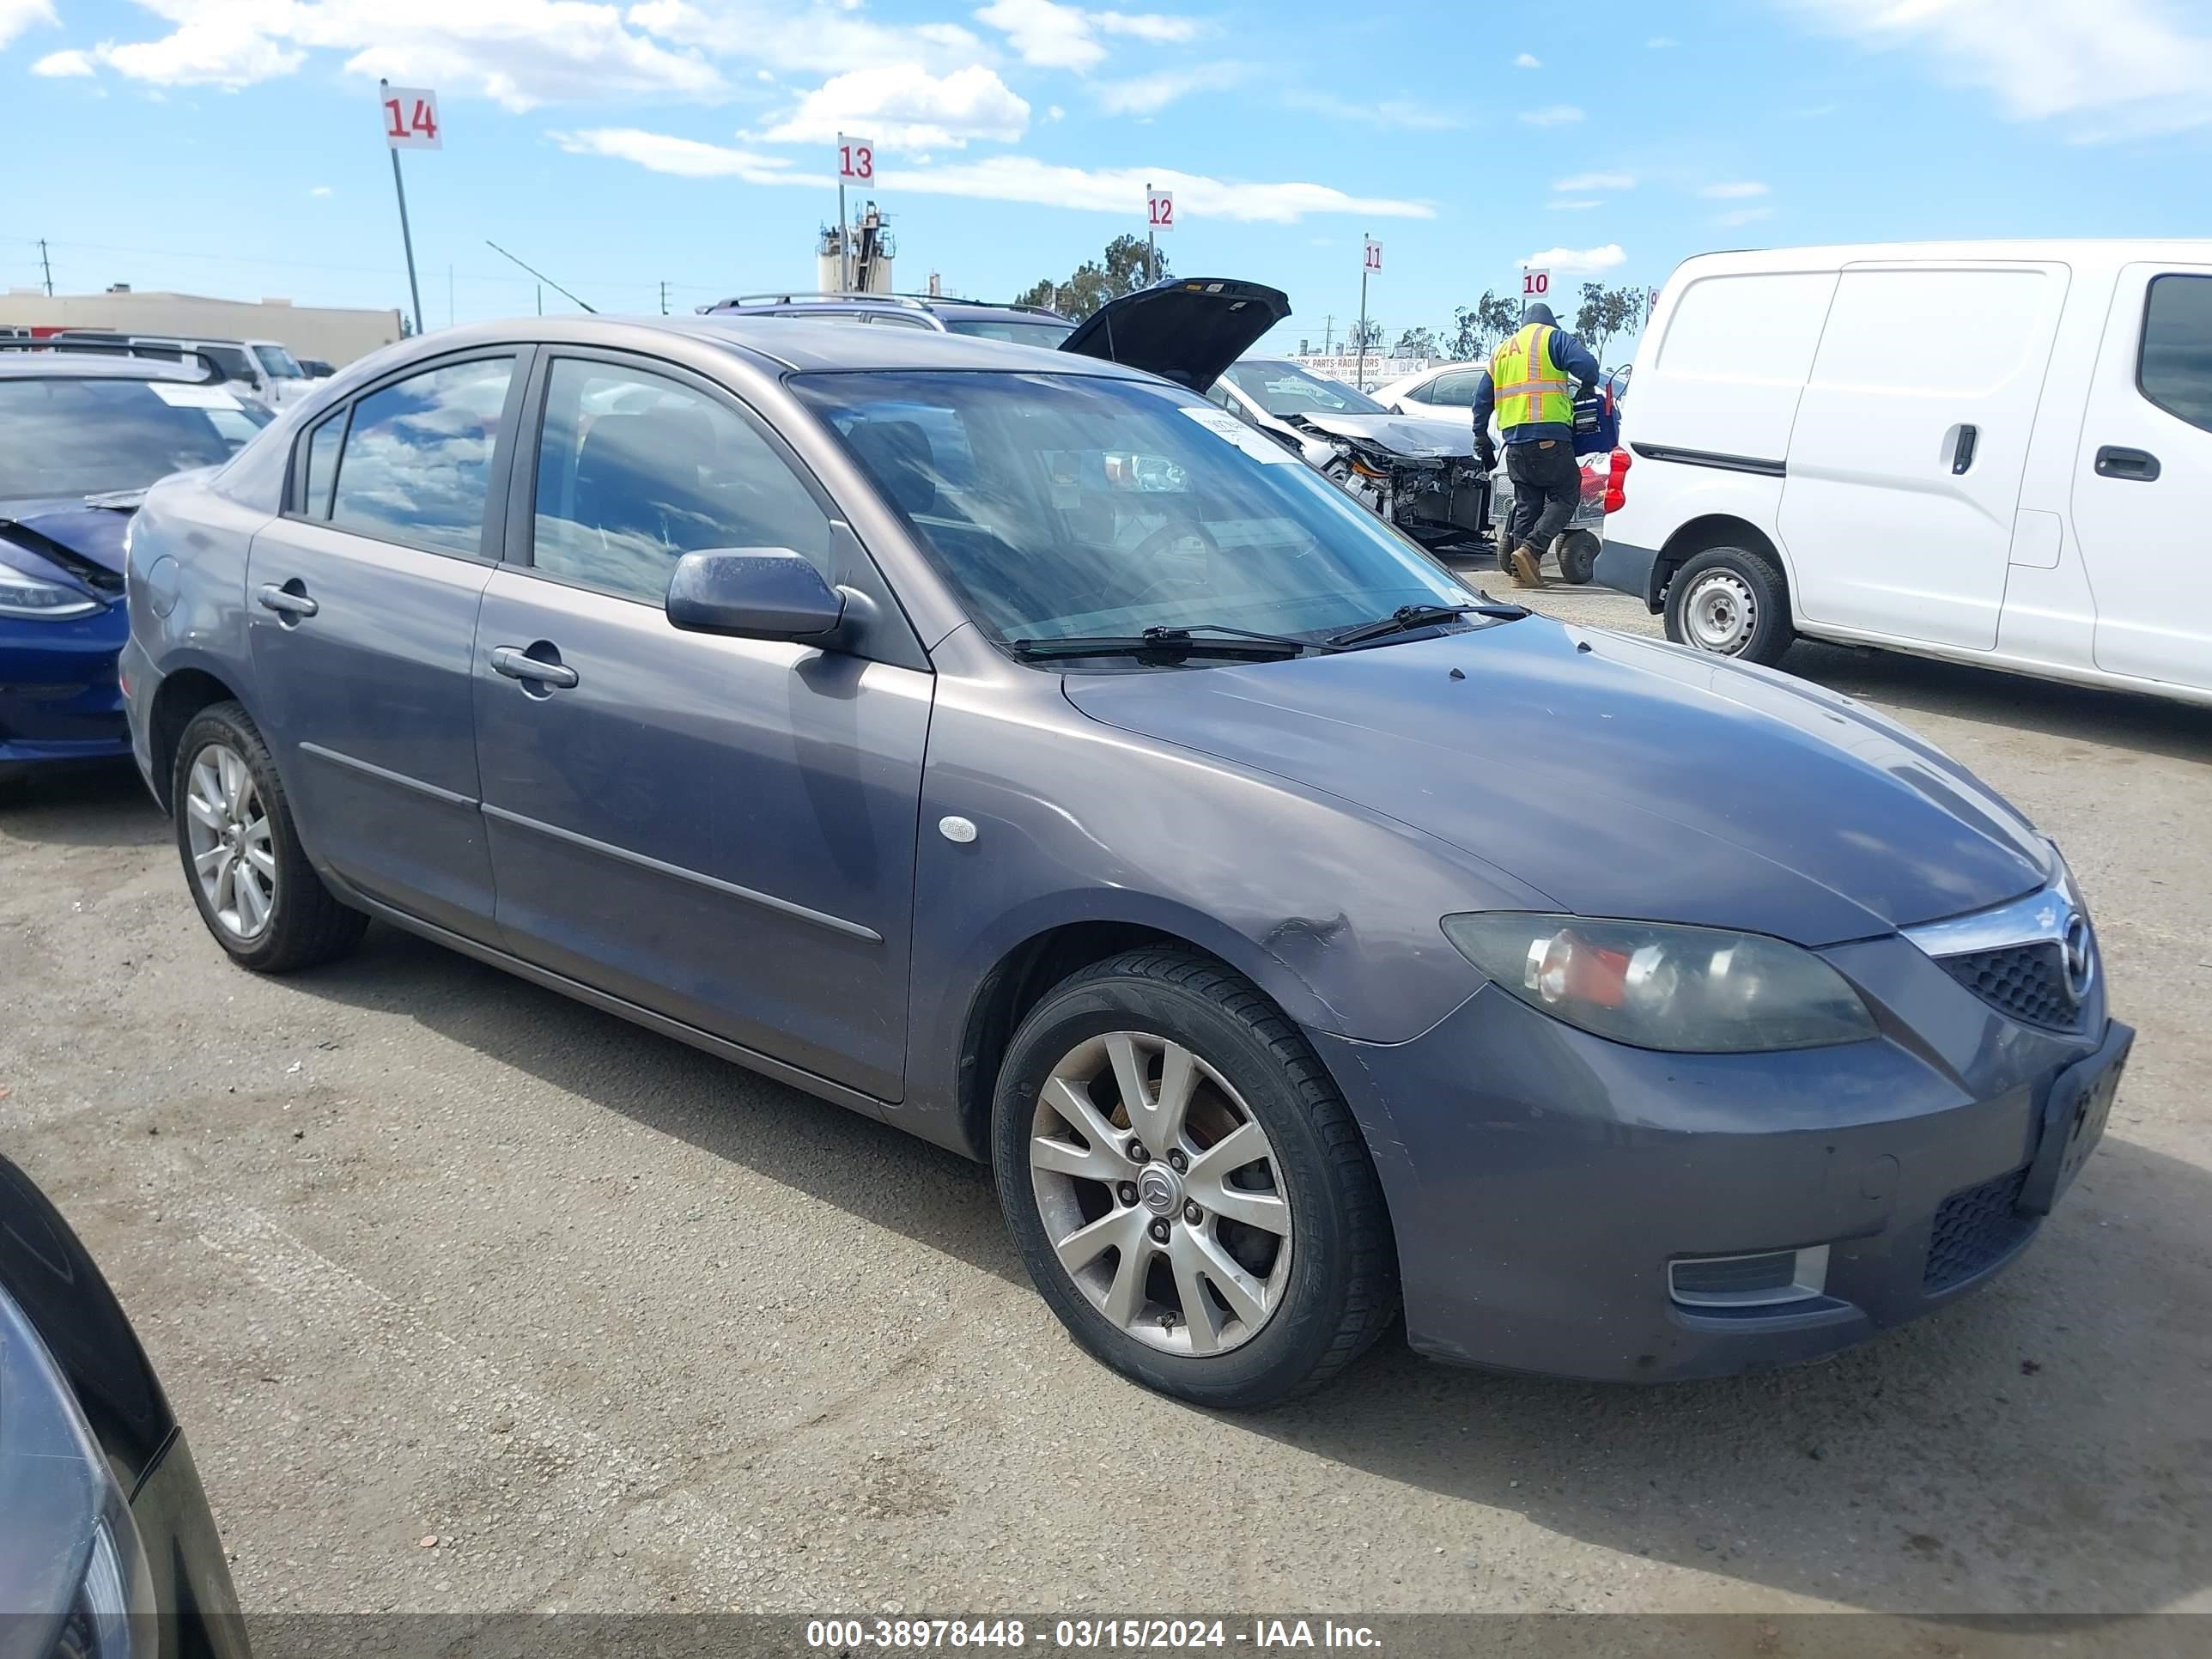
x=231, y=147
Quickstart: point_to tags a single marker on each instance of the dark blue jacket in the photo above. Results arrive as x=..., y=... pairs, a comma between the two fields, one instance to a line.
x=1570, y=355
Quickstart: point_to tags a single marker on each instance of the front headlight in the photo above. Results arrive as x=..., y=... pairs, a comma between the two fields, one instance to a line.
x=1685, y=990
x=24, y=595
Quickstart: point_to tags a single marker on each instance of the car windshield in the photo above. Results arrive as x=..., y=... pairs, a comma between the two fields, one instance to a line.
x=1044, y=331
x=1065, y=506
x=279, y=363
x=1285, y=389
x=84, y=437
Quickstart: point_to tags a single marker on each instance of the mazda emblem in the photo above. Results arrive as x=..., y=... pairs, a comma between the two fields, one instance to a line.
x=2081, y=961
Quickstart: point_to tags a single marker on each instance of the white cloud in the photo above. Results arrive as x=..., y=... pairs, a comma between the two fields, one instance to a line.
x=319, y=190
x=1021, y=179
x=1661, y=42
x=55, y=66
x=1050, y=35
x=1147, y=94
x=903, y=106
x=1588, y=181
x=2116, y=70
x=1743, y=216
x=16, y=17
x=1579, y=261
x=1528, y=60
x=807, y=37
x=1055, y=114
x=1737, y=192
x=1573, y=204
x=1552, y=115
x=1390, y=113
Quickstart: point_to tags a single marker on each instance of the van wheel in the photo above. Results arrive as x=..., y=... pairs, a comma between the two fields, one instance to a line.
x=1732, y=602
x=1577, y=552
x=248, y=874
x=1187, y=1187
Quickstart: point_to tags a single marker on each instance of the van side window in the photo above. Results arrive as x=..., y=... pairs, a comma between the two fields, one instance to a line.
x=2176, y=372
x=415, y=469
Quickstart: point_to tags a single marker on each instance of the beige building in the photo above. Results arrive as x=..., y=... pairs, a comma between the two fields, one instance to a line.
x=337, y=337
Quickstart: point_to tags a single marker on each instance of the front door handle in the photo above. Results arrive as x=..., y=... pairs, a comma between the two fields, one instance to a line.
x=288, y=601
x=518, y=664
x=2139, y=464
x=1963, y=455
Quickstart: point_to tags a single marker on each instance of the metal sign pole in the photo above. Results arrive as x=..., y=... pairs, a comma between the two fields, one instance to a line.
x=1359, y=370
x=1152, y=239
x=844, y=245
x=407, y=240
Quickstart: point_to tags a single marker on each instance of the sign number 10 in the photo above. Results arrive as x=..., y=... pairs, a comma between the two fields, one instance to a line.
x=1536, y=285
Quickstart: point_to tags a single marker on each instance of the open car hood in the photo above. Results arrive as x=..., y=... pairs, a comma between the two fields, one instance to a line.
x=1187, y=329
x=1415, y=437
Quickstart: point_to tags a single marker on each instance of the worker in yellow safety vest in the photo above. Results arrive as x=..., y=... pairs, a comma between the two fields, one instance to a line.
x=1531, y=384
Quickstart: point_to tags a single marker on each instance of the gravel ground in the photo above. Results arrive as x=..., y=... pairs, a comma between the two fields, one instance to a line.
x=425, y=1252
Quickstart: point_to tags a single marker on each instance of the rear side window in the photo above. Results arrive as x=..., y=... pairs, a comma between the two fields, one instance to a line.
x=323, y=466
x=415, y=467
x=1454, y=391
x=2176, y=373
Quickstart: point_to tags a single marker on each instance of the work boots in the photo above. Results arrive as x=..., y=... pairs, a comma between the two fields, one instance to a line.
x=1526, y=567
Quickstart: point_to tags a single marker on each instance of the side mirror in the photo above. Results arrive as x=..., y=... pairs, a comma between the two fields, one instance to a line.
x=753, y=593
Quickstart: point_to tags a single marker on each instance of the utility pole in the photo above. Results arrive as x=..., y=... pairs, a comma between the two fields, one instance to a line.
x=46, y=265
x=1328, y=332
x=664, y=297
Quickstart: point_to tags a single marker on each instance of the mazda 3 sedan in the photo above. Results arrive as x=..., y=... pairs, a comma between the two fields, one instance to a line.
x=1020, y=750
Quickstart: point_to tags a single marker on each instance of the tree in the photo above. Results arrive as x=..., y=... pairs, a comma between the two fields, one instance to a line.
x=1364, y=336
x=1475, y=329
x=1607, y=312
x=1122, y=271
x=1418, y=343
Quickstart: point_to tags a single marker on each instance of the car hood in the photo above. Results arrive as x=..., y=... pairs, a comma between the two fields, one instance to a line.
x=72, y=531
x=1187, y=330
x=1619, y=777
x=1412, y=437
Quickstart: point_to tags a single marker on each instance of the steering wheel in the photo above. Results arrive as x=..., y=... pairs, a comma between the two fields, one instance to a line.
x=1167, y=536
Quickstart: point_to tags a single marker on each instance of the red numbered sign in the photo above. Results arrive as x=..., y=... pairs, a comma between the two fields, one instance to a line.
x=1159, y=210
x=1536, y=285
x=410, y=117
x=856, y=160
x=1374, y=255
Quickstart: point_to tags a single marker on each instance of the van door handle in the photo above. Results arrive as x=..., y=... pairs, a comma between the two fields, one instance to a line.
x=288, y=601
x=518, y=665
x=2113, y=462
x=1963, y=455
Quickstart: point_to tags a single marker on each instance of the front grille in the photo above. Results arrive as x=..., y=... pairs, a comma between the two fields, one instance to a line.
x=1975, y=1228
x=2028, y=981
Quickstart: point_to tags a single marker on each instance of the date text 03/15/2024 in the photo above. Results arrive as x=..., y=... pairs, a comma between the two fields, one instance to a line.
x=1258, y=1636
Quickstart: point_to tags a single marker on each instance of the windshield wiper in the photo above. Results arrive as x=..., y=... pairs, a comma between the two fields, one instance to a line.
x=1238, y=643
x=1407, y=618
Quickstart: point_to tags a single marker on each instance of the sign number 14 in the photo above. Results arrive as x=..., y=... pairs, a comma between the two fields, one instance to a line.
x=411, y=118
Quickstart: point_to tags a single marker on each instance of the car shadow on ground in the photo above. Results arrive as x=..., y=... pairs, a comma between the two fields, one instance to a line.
x=2051, y=1430
x=103, y=805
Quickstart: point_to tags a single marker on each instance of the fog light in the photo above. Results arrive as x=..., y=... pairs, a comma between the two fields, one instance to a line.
x=1769, y=1278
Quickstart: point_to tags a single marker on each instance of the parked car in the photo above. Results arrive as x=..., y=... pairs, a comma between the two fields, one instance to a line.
x=2031, y=497
x=977, y=319
x=315, y=369
x=1443, y=390
x=107, y=1550
x=1293, y=932
x=262, y=371
x=84, y=430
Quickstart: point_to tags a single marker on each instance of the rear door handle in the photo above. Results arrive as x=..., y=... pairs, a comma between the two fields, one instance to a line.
x=1963, y=455
x=2139, y=464
x=518, y=665
x=286, y=601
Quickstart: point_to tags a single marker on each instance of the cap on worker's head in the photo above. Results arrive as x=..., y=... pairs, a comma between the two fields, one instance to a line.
x=1537, y=312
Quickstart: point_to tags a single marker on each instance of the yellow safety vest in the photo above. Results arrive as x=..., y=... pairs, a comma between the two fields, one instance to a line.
x=1529, y=385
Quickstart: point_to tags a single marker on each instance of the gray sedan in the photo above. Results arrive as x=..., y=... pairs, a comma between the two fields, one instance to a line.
x=1028, y=753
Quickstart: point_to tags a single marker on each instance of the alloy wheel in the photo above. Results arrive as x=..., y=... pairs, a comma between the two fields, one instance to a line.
x=1721, y=613
x=1161, y=1194
x=234, y=858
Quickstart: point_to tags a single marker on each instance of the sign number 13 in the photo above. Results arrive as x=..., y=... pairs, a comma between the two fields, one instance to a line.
x=856, y=160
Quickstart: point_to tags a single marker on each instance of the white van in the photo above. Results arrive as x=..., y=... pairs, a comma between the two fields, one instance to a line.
x=1997, y=452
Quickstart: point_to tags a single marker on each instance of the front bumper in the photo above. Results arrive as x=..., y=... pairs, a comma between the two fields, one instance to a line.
x=59, y=698
x=1541, y=1180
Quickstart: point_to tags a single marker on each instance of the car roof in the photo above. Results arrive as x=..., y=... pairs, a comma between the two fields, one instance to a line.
x=784, y=343
x=938, y=306
x=64, y=364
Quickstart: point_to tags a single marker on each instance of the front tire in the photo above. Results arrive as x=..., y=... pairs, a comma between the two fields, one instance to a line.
x=1187, y=1187
x=248, y=875
x=1731, y=602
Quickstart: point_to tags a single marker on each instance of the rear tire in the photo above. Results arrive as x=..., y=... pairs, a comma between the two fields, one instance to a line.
x=1577, y=552
x=1731, y=602
x=245, y=867
x=1284, y=1250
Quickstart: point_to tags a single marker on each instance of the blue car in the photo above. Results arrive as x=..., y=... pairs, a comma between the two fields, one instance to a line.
x=82, y=433
x=1017, y=749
